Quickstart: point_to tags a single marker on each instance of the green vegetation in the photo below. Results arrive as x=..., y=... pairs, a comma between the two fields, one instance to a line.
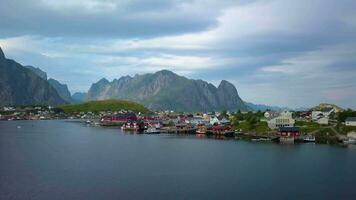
x=327, y=105
x=106, y=105
x=342, y=129
x=308, y=127
x=326, y=136
x=341, y=116
x=250, y=122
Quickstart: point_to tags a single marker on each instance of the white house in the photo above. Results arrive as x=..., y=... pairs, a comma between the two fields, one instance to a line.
x=350, y=121
x=283, y=119
x=214, y=120
x=323, y=121
x=318, y=114
x=9, y=109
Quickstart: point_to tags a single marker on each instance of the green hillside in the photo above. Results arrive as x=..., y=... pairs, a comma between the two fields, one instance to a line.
x=327, y=105
x=106, y=105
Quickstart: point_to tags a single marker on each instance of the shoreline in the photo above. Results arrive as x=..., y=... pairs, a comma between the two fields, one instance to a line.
x=236, y=137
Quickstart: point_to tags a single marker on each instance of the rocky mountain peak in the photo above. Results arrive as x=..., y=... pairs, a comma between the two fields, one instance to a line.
x=225, y=83
x=103, y=81
x=165, y=72
x=164, y=90
x=37, y=71
x=22, y=86
x=62, y=89
x=2, y=55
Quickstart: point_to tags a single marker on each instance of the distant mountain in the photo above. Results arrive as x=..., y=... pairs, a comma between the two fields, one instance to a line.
x=37, y=71
x=62, y=89
x=21, y=86
x=79, y=97
x=262, y=107
x=165, y=90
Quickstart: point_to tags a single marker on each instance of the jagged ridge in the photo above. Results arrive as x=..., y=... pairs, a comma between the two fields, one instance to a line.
x=167, y=90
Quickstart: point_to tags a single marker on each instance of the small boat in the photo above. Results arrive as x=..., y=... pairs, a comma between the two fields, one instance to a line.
x=88, y=122
x=309, y=138
x=202, y=130
x=152, y=130
x=261, y=140
x=134, y=126
x=349, y=141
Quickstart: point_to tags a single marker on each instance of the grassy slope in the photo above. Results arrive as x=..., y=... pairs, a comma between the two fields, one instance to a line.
x=106, y=105
x=307, y=127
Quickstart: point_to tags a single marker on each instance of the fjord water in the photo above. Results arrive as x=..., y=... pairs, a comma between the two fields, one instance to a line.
x=66, y=160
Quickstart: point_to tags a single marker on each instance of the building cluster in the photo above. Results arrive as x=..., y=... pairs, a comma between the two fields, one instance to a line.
x=281, y=124
x=322, y=116
x=170, y=122
x=10, y=113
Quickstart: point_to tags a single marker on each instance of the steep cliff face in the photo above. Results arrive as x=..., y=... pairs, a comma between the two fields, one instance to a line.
x=99, y=90
x=37, y=71
x=228, y=96
x=62, y=89
x=166, y=90
x=21, y=86
x=2, y=55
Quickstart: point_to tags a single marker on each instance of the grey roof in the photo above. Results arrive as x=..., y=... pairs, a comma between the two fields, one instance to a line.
x=351, y=119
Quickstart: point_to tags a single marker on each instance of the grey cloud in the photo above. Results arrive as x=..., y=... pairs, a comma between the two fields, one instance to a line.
x=298, y=28
x=125, y=19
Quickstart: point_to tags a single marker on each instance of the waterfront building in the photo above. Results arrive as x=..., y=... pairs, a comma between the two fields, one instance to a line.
x=277, y=120
x=9, y=109
x=214, y=120
x=323, y=113
x=120, y=117
x=352, y=135
x=288, y=134
x=350, y=121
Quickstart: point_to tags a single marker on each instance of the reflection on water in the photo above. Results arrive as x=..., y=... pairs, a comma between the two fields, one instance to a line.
x=61, y=160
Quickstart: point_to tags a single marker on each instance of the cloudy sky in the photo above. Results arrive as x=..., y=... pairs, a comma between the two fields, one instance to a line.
x=294, y=53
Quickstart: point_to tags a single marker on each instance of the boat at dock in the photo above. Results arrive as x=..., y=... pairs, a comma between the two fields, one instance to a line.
x=134, y=126
x=152, y=130
x=309, y=138
x=349, y=141
x=180, y=129
x=201, y=129
x=261, y=139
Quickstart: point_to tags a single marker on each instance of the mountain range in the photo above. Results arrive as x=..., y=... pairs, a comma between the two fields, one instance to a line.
x=20, y=85
x=165, y=90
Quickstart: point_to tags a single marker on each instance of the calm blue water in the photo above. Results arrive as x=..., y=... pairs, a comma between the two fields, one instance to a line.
x=63, y=160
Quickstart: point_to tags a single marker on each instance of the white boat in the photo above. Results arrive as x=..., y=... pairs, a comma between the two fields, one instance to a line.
x=349, y=141
x=152, y=130
x=261, y=140
x=309, y=138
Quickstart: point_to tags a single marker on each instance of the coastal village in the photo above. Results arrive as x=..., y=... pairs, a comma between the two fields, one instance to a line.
x=328, y=124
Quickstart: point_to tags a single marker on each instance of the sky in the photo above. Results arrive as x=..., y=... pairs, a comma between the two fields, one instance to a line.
x=276, y=52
